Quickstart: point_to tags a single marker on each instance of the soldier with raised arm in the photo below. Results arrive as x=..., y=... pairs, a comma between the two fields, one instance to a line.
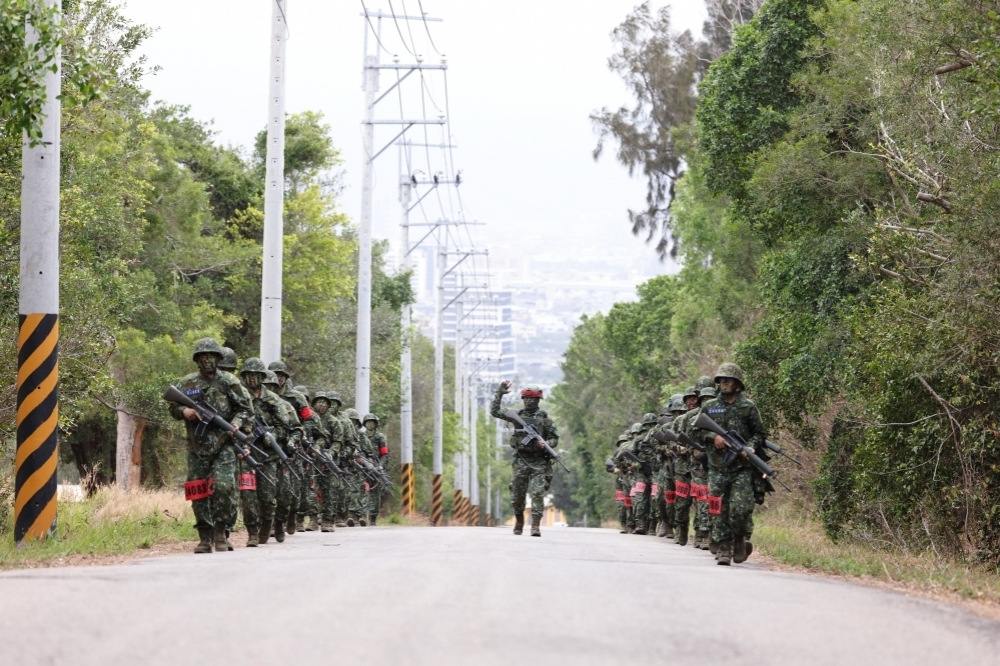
x=531, y=468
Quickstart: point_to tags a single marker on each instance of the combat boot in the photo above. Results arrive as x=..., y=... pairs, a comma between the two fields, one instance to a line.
x=252, y=535
x=713, y=546
x=682, y=535
x=705, y=539
x=536, y=523
x=654, y=526
x=290, y=524
x=519, y=523
x=670, y=532
x=279, y=530
x=725, y=555
x=264, y=532
x=326, y=525
x=351, y=519
x=205, y=545
x=374, y=520
x=624, y=529
x=640, y=526
x=631, y=528
x=300, y=524
x=661, y=529
x=222, y=544
x=363, y=522
x=739, y=550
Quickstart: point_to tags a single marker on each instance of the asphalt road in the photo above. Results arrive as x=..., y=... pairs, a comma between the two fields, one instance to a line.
x=469, y=596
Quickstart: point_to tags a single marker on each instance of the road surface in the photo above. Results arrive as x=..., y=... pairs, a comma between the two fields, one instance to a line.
x=396, y=595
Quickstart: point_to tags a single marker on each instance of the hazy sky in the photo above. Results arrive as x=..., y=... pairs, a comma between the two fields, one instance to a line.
x=523, y=78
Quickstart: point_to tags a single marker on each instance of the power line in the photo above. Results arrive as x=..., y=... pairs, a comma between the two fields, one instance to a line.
x=403, y=39
x=374, y=32
x=423, y=14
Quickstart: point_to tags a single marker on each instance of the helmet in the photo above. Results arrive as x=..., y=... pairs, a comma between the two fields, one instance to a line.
x=253, y=364
x=729, y=371
x=370, y=417
x=304, y=390
x=691, y=392
x=351, y=414
x=333, y=396
x=319, y=394
x=228, y=361
x=648, y=418
x=532, y=391
x=665, y=409
x=270, y=378
x=636, y=428
x=279, y=367
x=707, y=392
x=677, y=403
x=209, y=346
x=704, y=382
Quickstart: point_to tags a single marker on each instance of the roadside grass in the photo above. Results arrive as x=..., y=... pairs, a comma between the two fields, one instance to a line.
x=789, y=536
x=112, y=522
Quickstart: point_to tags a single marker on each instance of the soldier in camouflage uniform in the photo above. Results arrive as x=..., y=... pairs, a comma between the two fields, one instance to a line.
x=644, y=448
x=360, y=500
x=283, y=493
x=289, y=498
x=531, y=467
x=381, y=446
x=210, y=457
x=611, y=467
x=665, y=481
x=682, y=468
x=699, y=480
x=330, y=444
x=311, y=478
x=730, y=482
x=628, y=475
x=278, y=416
x=661, y=480
x=228, y=364
x=344, y=448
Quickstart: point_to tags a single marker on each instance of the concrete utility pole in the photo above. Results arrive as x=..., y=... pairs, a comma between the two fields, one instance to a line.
x=274, y=191
x=38, y=315
x=459, y=406
x=407, y=481
x=474, y=455
x=497, y=507
x=438, y=467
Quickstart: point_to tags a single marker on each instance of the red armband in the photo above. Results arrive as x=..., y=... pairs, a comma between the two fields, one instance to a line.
x=702, y=493
x=199, y=489
x=655, y=491
x=631, y=492
x=683, y=489
x=640, y=486
x=671, y=496
x=248, y=481
x=305, y=412
x=714, y=505
x=619, y=496
x=628, y=502
x=383, y=450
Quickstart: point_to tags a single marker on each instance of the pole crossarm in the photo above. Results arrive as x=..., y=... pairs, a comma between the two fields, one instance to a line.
x=403, y=17
x=403, y=121
x=443, y=65
x=465, y=255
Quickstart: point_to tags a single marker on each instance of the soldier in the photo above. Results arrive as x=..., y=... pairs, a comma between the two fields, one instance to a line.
x=730, y=482
x=360, y=502
x=642, y=473
x=211, y=476
x=330, y=444
x=699, y=478
x=381, y=446
x=287, y=491
x=310, y=424
x=531, y=467
x=612, y=468
x=661, y=481
x=682, y=468
x=228, y=362
x=628, y=476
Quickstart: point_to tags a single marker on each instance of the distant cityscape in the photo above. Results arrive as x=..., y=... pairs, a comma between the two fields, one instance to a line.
x=537, y=298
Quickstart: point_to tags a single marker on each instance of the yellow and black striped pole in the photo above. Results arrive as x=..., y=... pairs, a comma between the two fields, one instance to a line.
x=38, y=306
x=406, y=484
x=436, y=500
x=456, y=508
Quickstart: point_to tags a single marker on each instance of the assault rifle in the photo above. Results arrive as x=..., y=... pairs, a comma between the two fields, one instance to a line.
x=682, y=437
x=323, y=458
x=206, y=417
x=532, y=434
x=628, y=455
x=309, y=461
x=263, y=431
x=376, y=474
x=737, y=445
x=777, y=449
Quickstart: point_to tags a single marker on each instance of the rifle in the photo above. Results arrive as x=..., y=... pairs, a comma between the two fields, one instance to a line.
x=262, y=430
x=206, y=417
x=531, y=434
x=737, y=445
x=309, y=461
x=374, y=473
x=682, y=437
x=645, y=466
x=777, y=449
x=324, y=458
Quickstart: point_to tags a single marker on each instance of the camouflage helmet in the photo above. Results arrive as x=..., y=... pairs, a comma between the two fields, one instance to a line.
x=704, y=382
x=729, y=371
x=649, y=418
x=333, y=396
x=253, y=364
x=303, y=389
x=207, y=346
x=370, y=417
x=636, y=428
x=665, y=409
x=707, y=392
x=690, y=392
x=270, y=378
x=531, y=391
x=319, y=394
x=228, y=361
x=279, y=367
x=351, y=413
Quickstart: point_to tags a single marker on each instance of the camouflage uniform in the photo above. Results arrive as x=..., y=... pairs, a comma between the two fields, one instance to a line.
x=381, y=447
x=612, y=468
x=291, y=490
x=349, y=448
x=531, y=467
x=210, y=457
x=644, y=448
x=699, y=479
x=731, y=486
x=359, y=496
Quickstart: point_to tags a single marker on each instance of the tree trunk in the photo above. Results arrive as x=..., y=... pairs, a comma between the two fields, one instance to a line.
x=128, y=443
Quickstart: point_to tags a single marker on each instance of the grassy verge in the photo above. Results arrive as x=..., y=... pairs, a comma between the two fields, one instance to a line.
x=791, y=538
x=112, y=522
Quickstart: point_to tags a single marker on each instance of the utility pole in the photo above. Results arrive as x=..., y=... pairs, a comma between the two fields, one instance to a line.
x=274, y=191
x=497, y=506
x=438, y=467
x=38, y=315
x=459, y=406
x=473, y=443
x=407, y=481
